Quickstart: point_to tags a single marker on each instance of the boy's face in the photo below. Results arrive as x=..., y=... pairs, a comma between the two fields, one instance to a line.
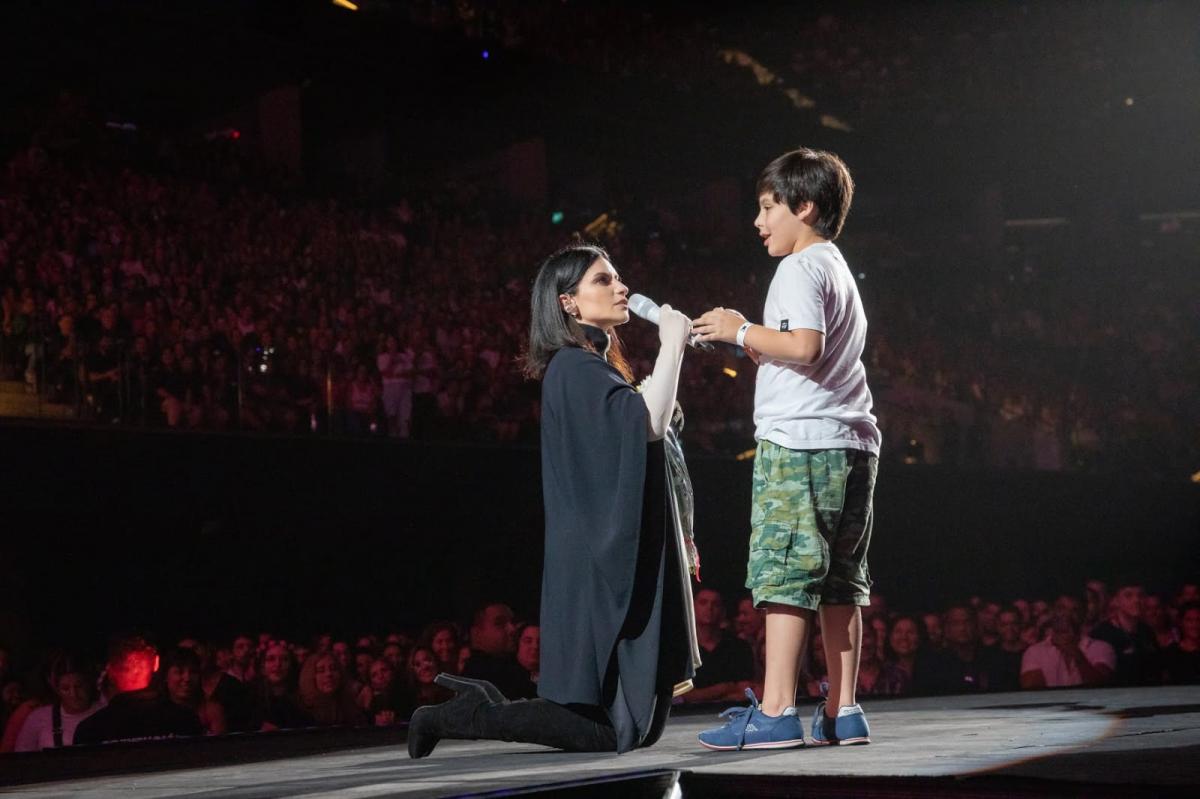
x=778, y=227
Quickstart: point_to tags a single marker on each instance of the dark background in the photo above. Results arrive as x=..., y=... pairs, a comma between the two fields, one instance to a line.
x=201, y=534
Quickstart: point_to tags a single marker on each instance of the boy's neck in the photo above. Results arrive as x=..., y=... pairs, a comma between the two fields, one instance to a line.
x=810, y=238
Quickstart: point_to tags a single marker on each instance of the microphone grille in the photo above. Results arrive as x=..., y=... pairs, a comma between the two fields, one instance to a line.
x=644, y=307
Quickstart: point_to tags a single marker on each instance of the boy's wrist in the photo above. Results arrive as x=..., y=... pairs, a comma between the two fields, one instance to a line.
x=740, y=339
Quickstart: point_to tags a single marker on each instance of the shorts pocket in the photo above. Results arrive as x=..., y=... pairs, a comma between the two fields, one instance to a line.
x=769, y=554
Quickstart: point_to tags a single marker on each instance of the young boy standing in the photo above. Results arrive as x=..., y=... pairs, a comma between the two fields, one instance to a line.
x=818, y=450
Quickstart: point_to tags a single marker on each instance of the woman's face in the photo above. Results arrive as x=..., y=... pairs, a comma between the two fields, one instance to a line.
x=424, y=666
x=444, y=645
x=276, y=665
x=600, y=299
x=328, y=675
x=381, y=675
x=904, y=638
x=74, y=693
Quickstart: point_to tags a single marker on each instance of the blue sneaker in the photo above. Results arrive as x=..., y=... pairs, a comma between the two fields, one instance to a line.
x=750, y=728
x=850, y=727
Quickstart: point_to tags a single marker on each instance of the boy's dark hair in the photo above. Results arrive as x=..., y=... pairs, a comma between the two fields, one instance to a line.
x=815, y=176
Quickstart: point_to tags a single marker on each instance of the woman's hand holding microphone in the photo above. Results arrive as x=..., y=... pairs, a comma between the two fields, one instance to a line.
x=674, y=327
x=673, y=331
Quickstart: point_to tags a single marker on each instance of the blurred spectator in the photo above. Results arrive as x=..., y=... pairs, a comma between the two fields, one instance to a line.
x=964, y=665
x=933, y=630
x=1139, y=660
x=1010, y=649
x=870, y=667
x=1067, y=657
x=382, y=698
x=53, y=725
x=728, y=662
x=230, y=694
x=529, y=651
x=1183, y=658
x=135, y=710
x=241, y=666
x=276, y=703
x=180, y=675
x=748, y=624
x=1155, y=616
x=326, y=694
x=422, y=669
x=903, y=655
x=493, y=650
x=441, y=637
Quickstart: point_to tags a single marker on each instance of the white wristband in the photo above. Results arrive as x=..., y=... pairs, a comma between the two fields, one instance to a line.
x=741, y=334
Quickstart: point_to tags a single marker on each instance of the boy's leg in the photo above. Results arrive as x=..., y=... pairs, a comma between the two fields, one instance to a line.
x=787, y=631
x=841, y=630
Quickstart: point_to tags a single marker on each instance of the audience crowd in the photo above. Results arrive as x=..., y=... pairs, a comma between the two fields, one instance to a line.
x=247, y=683
x=176, y=298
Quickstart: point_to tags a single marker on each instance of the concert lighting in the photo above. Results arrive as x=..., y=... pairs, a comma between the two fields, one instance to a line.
x=346, y=4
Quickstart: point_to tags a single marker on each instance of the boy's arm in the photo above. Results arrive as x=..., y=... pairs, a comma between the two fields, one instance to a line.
x=801, y=346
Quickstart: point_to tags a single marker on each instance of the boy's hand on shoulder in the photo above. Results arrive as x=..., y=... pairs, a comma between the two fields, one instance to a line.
x=719, y=324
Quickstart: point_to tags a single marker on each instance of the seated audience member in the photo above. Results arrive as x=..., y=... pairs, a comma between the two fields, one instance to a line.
x=275, y=693
x=493, y=650
x=748, y=624
x=728, y=662
x=53, y=725
x=986, y=615
x=243, y=653
x=1139, y=661
x=1096, y=607
x=135, y=711
x=179, y=673
x=1156, y=617
x=1010, y=650
x=441, y=637
x=1183, y=658
x=364, y=656
x=326, y=694
x=933, y=630
x=964, y=665
x=1067, y=657
x=529, y=654
x=422, y=669
x=230, y=693
x=383, y=699
x=870, y=667
x=903, y=655
x=15, y=707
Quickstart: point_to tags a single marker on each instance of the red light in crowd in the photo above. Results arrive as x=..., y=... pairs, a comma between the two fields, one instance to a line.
x=235, y=134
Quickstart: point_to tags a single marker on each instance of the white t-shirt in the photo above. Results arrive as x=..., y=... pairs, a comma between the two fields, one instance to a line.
x=37, y=732
x=1045, y=657
x=826, y=405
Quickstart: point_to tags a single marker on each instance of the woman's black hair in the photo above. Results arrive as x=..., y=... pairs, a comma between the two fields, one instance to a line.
x=550, y=327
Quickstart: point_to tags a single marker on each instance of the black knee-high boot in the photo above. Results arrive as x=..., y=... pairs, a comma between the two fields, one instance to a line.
x=540, y=721
x=472, y=714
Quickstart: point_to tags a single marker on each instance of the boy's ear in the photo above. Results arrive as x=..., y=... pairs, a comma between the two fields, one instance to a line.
x=807, y=212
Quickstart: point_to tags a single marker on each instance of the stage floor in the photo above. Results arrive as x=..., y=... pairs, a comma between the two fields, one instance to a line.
x=1112, y=737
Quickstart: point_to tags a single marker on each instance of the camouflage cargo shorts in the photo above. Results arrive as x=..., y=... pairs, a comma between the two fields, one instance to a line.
x=810, y=526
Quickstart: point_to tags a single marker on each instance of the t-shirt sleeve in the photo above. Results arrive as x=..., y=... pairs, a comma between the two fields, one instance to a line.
x=801, y=295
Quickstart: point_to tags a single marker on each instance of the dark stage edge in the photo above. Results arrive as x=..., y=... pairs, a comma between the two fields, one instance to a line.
x=1111, y=742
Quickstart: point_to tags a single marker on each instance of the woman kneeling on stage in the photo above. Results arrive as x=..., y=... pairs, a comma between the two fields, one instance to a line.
x=618, y=635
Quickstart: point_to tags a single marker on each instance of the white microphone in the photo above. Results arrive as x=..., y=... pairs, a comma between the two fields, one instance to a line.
x=648, y=309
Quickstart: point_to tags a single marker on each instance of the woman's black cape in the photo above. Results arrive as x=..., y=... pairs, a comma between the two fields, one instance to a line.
x=611, y=635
